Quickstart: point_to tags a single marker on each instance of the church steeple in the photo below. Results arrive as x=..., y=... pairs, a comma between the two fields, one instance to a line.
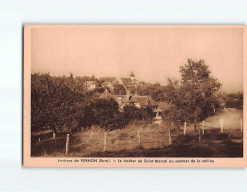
x=132, y=76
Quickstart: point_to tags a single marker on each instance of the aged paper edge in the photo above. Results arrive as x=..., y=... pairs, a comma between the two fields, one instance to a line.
x=29, y=161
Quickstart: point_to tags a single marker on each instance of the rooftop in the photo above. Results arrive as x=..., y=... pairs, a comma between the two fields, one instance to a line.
x=107, y=79
x=132, y=74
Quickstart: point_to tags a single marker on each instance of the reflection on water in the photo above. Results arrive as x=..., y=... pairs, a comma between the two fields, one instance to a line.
x=230, y=119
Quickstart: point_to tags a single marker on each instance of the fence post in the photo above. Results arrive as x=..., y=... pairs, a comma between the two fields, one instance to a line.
x=199, y=134
x=221, y=125
x=67, y=144
x=185, y=128
x=105, y=141
x=170, y=139
x=139, y=137
x=53, y=135
x=203, y=127
x=241, y=125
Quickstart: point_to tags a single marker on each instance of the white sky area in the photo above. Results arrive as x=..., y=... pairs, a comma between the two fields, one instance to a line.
x=153, y=54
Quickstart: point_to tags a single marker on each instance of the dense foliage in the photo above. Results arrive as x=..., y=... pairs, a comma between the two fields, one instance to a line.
x=156, y=91
x=119, y=89
x=64, y=103
x=194, y=97
x=234, y=100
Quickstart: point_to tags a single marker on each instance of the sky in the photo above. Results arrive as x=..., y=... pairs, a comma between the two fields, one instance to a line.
x=152, y=53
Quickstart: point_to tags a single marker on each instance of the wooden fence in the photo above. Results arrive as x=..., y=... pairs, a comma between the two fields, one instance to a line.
x=96, y=140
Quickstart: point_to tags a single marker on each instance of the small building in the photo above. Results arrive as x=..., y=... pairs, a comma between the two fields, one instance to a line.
x=107, y=82
x=229, y=109
x=90, y=85
x=130, y=98
x=139, y=101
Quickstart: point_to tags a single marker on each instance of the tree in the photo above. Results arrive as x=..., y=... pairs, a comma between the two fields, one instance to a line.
x=158, y=95
x=194, y=97
x=104, y=112
x=55, y=103
x=132, y=113
x=234, y=100
x=119, y=89
x=49, y=100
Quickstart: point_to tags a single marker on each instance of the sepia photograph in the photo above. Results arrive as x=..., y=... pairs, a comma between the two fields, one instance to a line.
x=133, y=91
x=136, y=96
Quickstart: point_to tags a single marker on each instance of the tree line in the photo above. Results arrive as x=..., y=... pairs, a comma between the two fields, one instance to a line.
x=64, y=102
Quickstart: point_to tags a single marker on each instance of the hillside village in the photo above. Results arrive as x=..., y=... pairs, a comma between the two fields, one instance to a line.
x=129, y=96
x=115, y=114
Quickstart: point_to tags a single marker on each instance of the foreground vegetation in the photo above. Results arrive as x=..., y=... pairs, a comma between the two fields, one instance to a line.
x=213, y=144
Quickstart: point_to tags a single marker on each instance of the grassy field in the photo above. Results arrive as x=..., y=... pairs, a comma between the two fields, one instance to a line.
x=97, y=140
x=212, y=144
x=139, y=140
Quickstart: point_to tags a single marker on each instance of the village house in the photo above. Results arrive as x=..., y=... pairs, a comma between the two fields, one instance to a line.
x=137, y=101
x=131, y=98
x=108, y=82
x=90, y=85
x=127, y=82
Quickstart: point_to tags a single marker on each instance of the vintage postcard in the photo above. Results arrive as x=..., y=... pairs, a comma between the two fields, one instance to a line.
x=134, y=96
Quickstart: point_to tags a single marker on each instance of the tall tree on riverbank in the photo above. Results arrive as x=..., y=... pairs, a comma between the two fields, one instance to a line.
x=193, y=98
